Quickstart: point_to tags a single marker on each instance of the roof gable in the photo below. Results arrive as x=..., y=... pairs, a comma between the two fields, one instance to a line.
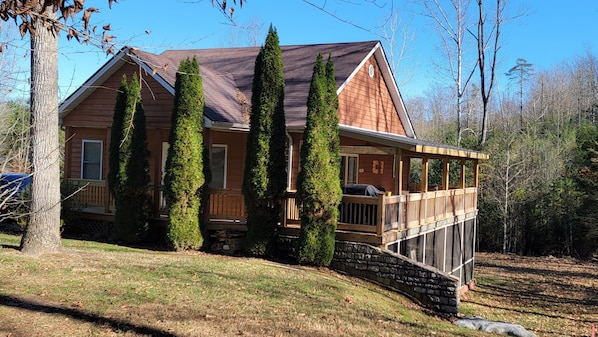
x=227, y=75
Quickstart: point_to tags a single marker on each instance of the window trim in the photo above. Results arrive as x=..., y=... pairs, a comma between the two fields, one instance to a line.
x=346, y=168
x=225, y=146
x=83, y=142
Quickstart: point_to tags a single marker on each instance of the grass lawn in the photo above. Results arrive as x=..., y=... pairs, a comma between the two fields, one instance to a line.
x=96, y=289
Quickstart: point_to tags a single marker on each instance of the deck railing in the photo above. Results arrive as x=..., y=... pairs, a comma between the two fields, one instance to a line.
x=400, y=212
x=90, y=194
x=360, y=214
x=227, y=205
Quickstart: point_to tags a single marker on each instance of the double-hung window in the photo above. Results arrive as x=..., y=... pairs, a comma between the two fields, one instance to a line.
x=91, y=163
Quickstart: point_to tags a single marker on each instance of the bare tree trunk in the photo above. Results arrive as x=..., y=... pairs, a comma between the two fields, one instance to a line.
x=43, y=230
x=451, y=30
x=486, y=84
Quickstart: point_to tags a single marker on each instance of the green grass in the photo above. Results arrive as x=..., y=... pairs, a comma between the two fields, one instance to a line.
x=96, y=289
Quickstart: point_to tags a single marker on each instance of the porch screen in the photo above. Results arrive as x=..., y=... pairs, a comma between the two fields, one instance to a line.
x=91, y=164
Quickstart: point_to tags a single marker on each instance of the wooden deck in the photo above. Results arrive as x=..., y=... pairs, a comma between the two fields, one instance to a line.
x=374, y=220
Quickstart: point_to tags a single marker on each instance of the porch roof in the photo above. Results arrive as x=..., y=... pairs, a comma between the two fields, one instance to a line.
x=410, y=144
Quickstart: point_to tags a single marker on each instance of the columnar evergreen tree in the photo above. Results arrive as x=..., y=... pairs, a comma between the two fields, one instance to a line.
x=132, y=217
x=318, y=186
x=184, y=164
x=116, y=136
x=129, y=166
x=264, y=179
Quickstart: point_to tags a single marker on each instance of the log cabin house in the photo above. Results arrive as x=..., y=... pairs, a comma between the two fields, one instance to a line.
x=429, y=218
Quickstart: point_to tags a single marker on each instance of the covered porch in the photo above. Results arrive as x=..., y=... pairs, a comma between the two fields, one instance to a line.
x=425, y=186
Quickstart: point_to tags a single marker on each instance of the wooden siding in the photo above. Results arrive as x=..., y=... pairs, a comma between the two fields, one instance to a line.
x=376, y=170
x=75, y=144
x=235, y=155
x=366, y=102
x=97, y=109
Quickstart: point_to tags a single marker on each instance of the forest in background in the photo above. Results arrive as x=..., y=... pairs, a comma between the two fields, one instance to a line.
x=538, y=191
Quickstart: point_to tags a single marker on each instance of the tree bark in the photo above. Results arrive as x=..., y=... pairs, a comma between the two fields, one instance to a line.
x=42, y=234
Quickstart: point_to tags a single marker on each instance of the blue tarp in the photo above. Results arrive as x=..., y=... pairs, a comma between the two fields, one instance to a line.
x=12, y=181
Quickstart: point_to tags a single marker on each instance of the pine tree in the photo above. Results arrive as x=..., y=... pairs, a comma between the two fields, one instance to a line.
x=130, y=172
x=264, y=179
x=318, y=185
x=184, y=164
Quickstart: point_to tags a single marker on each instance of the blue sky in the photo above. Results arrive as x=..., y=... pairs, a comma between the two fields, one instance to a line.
x=549, y=33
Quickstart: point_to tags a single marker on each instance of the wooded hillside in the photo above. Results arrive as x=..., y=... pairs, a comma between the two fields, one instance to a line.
x=538, y=191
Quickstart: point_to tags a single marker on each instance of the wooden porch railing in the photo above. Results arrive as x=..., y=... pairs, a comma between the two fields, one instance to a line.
x=90, y=194
x=227, y=205
x=360, y=214
x=400, y=212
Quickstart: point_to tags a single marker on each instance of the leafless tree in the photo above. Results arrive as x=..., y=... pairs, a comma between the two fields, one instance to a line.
x=451, y=23
x=250, y=34
x=398, y=37
x=488, y=41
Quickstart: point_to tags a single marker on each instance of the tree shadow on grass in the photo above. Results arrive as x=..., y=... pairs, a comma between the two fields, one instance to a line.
x=82, y=316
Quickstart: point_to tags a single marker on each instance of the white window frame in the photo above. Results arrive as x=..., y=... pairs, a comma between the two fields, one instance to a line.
x=225, y=146
x=83, y=142
x=346, y=168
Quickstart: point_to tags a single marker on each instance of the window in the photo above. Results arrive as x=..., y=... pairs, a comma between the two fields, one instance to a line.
x=165, y=147
x=91, y=164
x=218, y=166
x=348, y=169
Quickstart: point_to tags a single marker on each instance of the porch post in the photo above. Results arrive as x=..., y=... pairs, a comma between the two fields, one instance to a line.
x=425, y=171
x=406, y=171
x=381, y=215
x=424, y=191
x=445, y=188
x=462, y=178
x=445, y=174
x=476, y=173
x=398, y=172
x=476, y=182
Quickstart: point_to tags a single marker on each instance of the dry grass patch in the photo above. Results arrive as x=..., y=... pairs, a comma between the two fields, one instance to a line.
x=549, y=296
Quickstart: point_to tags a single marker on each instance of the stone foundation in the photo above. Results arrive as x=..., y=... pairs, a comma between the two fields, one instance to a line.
x=424, y=284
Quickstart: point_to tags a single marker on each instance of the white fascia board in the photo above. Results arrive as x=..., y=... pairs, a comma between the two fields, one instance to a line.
x=89, y=86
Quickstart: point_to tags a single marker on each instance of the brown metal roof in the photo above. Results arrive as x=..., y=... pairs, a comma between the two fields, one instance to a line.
x=227, y=74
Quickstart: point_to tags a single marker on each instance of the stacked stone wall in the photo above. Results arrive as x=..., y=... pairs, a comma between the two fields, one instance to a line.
x=424, y=284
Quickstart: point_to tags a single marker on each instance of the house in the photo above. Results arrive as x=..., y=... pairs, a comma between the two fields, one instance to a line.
x=425, y=217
